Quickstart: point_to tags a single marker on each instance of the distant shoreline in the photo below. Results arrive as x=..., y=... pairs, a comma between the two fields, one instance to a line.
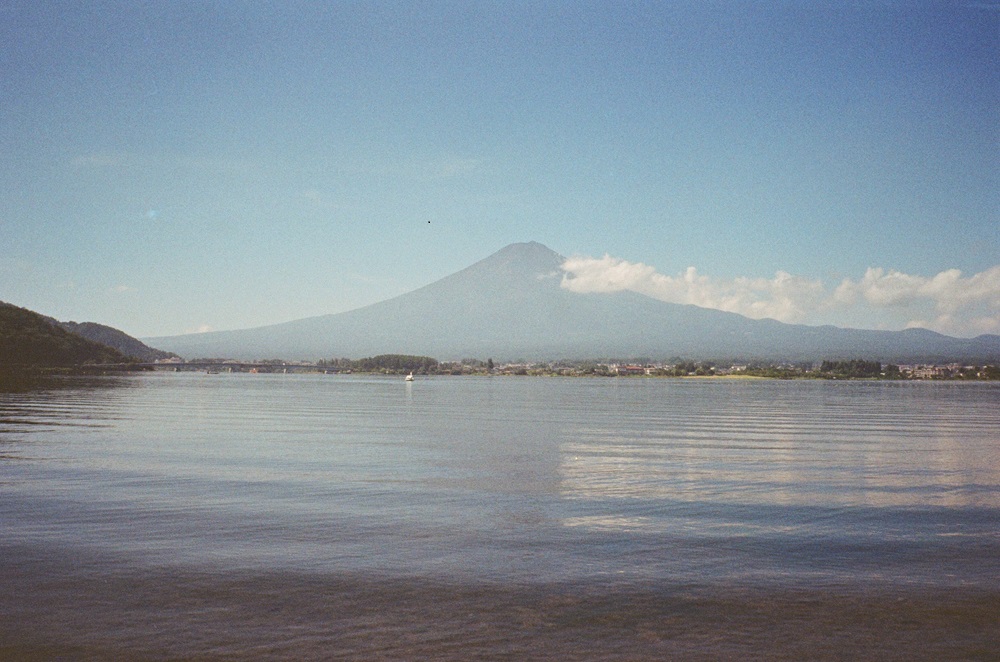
x=28, y=380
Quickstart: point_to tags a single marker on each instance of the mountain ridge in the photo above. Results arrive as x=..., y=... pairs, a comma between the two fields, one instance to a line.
x=29, y=340
x=510, y=305
x=113, y=338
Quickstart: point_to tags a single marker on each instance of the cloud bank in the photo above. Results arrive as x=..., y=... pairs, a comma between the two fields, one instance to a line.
x=947, y=302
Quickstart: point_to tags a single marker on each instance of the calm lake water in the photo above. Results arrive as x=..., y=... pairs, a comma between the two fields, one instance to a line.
x=235, y=516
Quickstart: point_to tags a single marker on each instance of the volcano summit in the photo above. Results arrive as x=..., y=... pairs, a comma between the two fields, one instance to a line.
x=511, y=306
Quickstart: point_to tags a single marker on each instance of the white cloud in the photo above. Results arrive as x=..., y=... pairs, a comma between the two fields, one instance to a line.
x=946, y=302
x=122, y=289
x=785, y=297
x=966, y=306
x=202, y=328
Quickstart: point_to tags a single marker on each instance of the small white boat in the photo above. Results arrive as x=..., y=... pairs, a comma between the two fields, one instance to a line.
x=409, y=377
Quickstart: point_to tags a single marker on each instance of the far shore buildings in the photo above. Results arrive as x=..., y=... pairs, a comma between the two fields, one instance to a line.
x=570, y=368
x=933, y=371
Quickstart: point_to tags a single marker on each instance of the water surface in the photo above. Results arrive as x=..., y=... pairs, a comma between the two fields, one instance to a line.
x=316, y=516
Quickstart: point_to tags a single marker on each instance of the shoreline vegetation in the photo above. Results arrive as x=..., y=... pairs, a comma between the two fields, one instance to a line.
x=401, y=364
x=34, y=347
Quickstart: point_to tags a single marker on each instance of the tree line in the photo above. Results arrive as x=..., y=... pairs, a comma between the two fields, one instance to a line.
x=853, y=369
x=386, y=363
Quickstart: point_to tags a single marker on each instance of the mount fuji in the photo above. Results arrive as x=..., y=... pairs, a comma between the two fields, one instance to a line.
x=511, y=306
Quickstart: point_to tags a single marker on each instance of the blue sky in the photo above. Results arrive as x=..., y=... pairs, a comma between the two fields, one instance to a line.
x=168, y=167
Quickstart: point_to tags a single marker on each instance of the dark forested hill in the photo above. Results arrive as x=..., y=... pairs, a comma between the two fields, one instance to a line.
x=112, y=337
x=29, y=340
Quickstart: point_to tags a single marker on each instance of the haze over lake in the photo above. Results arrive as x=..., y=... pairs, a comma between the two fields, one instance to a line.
x=319, y=516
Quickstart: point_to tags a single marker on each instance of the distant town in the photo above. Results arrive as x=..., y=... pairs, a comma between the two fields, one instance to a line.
x=398, y=364
x=32, y=344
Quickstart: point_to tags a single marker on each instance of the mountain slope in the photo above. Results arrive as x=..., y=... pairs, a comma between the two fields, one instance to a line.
x=29, y=340
x=510, y=306
x=116, y=339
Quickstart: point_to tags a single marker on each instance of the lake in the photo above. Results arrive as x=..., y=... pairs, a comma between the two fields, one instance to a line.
x=236, y=516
